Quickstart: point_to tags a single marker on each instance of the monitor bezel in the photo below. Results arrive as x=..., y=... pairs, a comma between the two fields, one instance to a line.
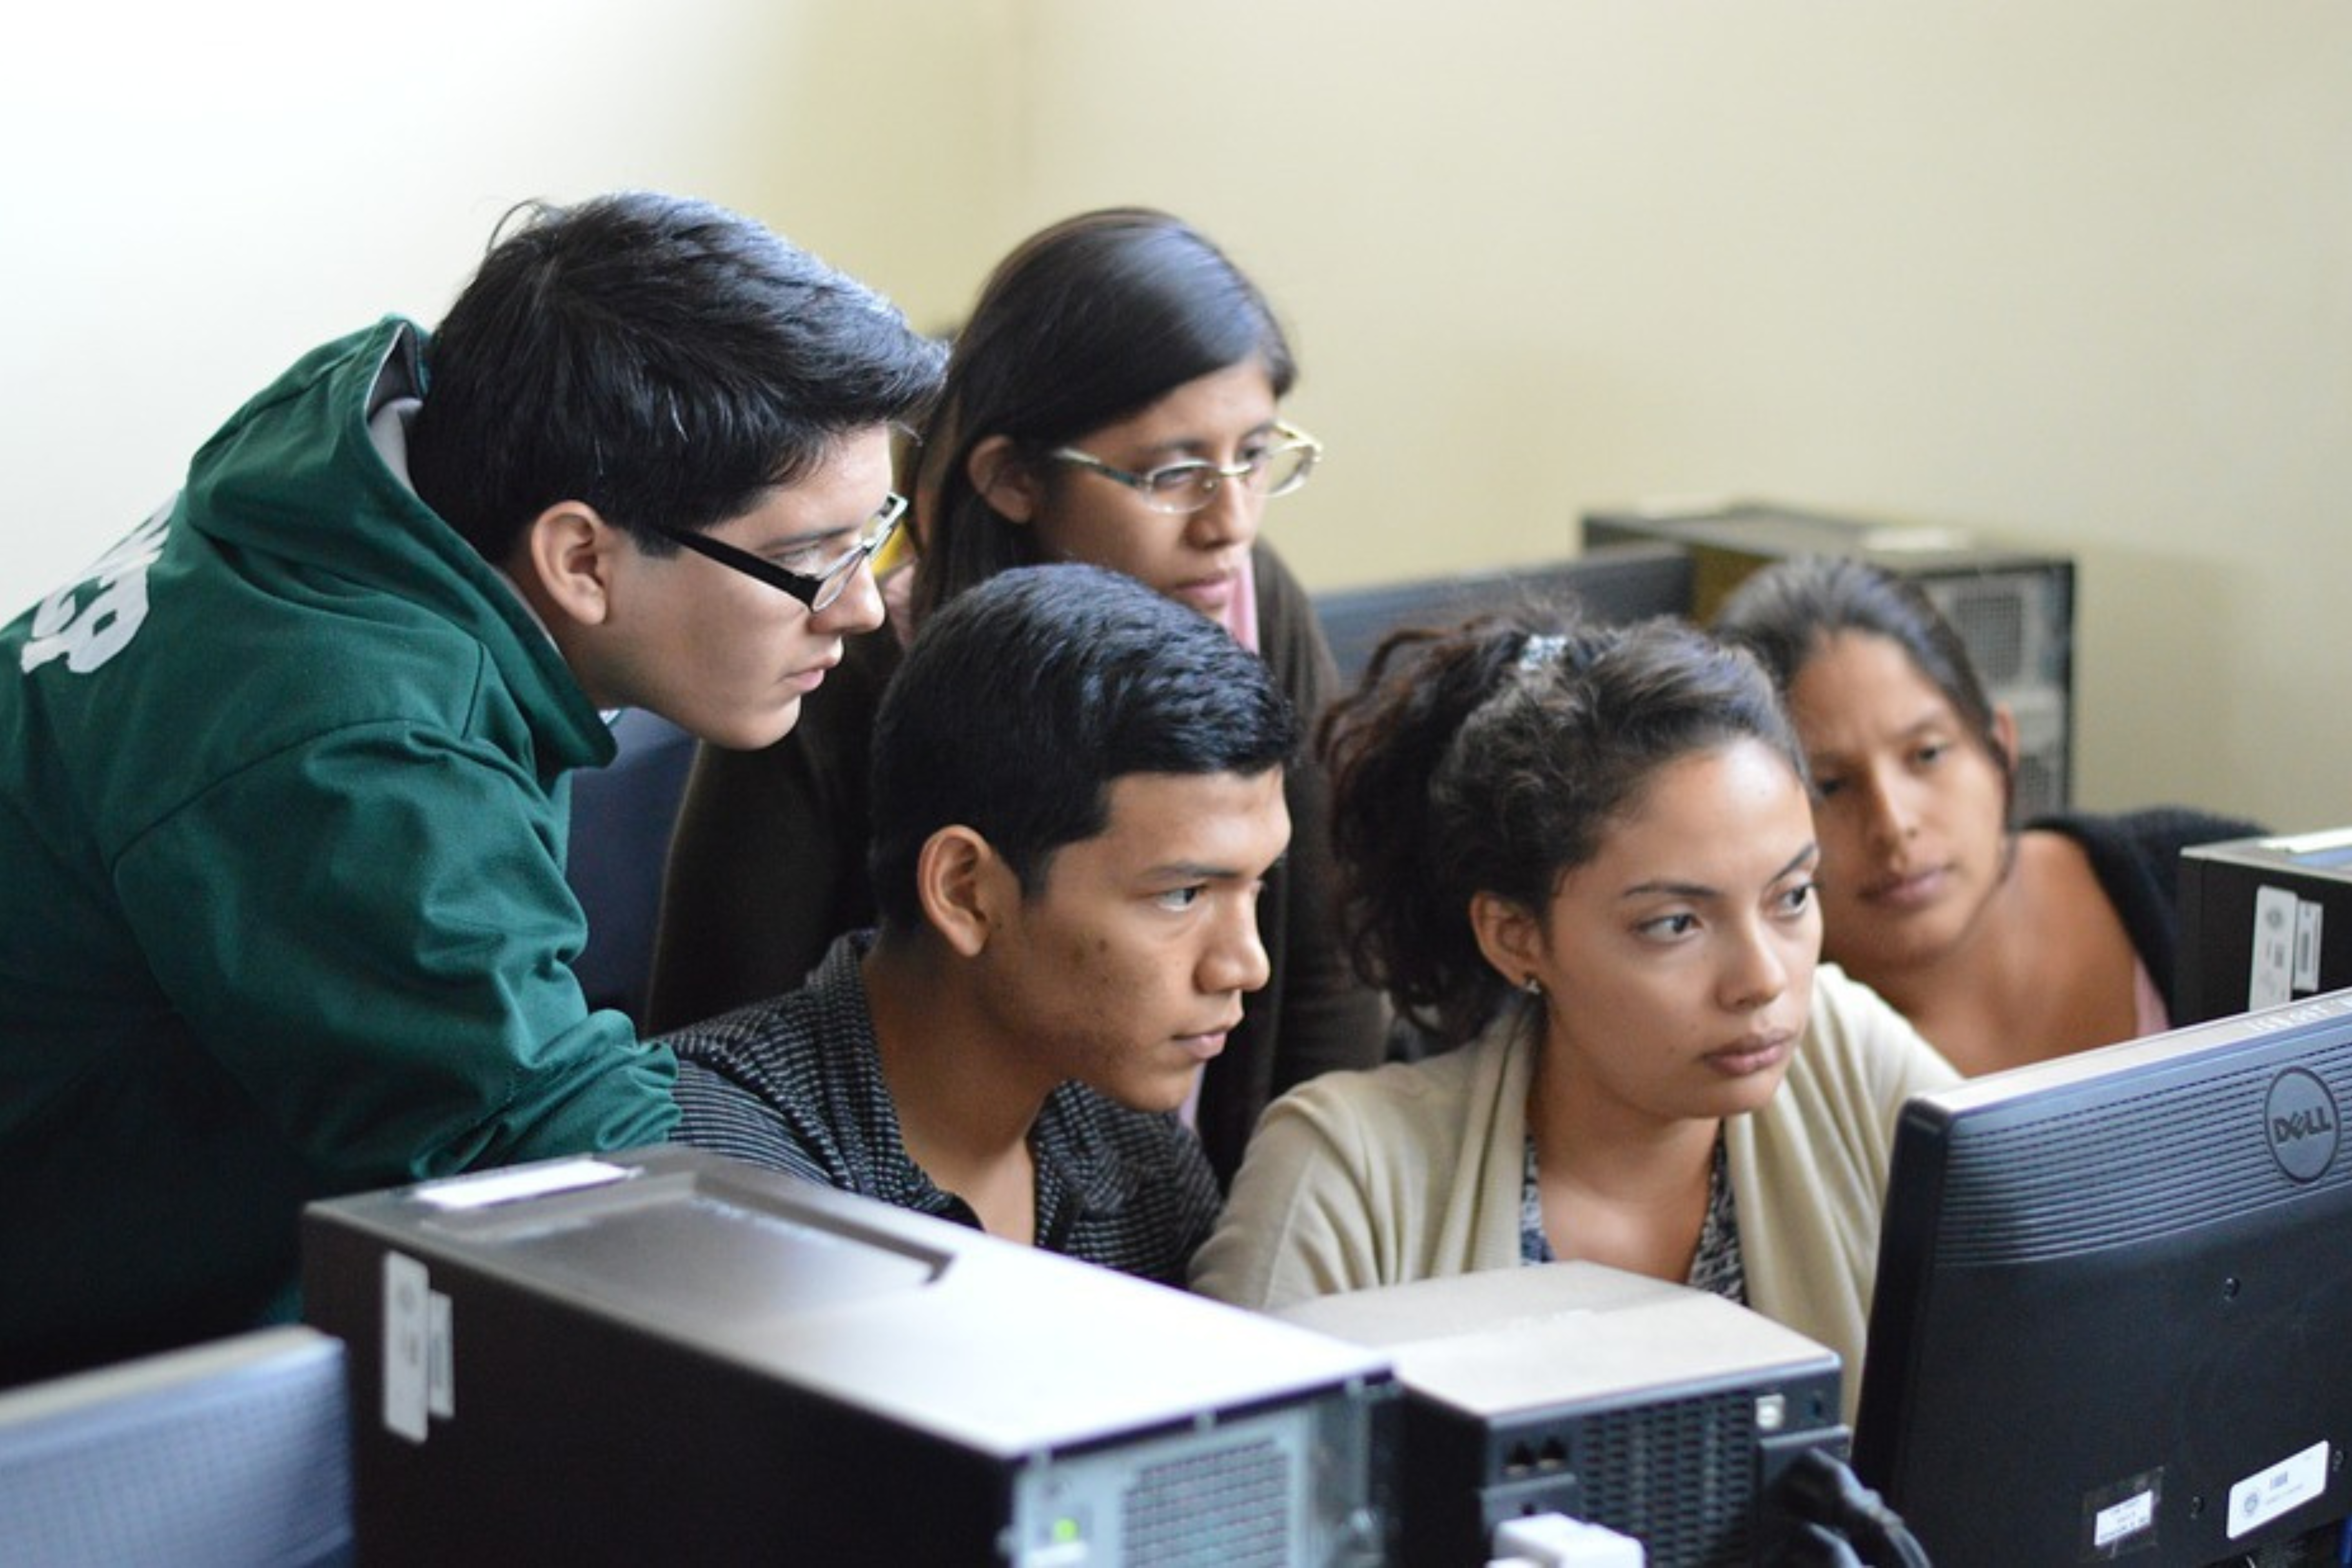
x=2218, y=1261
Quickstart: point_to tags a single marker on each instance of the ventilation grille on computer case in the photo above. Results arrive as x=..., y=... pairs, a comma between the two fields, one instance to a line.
x=2016, y=626
x=1991, y=616
x=1220, y=1508
x=1679, y=1476
x=2037, y=789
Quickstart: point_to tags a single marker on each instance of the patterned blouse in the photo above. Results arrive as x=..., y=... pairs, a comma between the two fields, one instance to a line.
x=1717, y=1266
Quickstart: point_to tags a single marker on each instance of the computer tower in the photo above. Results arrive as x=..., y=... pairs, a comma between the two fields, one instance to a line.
x=2262, y=921
x=1661, y=1412
x=2014, y=608
x=667, y=1356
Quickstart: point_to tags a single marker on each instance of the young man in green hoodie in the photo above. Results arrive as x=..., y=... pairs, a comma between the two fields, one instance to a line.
x=282, y=809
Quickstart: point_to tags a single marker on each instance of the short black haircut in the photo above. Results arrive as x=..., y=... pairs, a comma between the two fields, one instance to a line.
x=1024, y=700
x=663, y=360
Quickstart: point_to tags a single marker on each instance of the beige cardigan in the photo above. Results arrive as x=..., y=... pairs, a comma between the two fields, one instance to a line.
x=1412, y=1171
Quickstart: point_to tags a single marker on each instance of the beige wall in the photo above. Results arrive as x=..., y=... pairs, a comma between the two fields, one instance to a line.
x=196, y=195
x=2076, y=274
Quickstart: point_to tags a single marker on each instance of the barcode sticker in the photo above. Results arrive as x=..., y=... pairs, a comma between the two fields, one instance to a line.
x=2306, y=946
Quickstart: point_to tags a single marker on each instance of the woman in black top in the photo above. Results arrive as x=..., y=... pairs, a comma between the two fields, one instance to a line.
x=2002, y=946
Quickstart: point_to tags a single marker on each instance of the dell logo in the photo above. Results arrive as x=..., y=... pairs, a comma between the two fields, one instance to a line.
x=2300, y=1119
x=2299, y=1124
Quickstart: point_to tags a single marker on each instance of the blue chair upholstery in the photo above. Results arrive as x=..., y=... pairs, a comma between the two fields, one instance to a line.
x=622, y=818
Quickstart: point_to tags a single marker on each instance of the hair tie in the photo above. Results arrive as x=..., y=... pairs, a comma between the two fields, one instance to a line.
x=1540, y=649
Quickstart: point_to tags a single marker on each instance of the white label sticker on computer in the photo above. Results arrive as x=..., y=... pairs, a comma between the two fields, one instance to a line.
x=2271, y=978
x=2289, y=1484
x=2129, y=1517
x=407, y=1346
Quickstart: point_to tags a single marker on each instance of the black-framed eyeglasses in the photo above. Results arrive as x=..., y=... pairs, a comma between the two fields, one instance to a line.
x=1274, y=469
x=816, y=592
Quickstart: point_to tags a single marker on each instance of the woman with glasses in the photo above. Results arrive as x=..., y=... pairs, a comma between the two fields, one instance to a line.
x=1583, y=858
x=2003, y=946
x=1114, y=398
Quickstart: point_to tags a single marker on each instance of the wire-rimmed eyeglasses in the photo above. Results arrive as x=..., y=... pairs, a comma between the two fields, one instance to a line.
x=1275, y=468
x=816, y=592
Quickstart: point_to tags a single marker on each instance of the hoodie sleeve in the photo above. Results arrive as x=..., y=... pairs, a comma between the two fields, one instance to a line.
x=371, y=934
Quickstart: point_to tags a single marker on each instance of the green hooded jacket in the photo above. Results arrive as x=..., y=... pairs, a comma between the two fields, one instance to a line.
x=282, y=903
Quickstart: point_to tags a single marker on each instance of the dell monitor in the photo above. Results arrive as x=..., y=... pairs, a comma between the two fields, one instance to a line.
x=2114, y=1309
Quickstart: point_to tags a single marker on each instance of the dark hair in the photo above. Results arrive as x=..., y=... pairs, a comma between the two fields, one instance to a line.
x=1020, y=704
x=663, y=360
x=1787, y=613
x=1493, y=758
x=1086, y=322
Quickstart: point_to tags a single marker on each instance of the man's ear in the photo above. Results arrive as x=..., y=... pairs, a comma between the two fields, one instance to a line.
x=565, y=563
x=961, y=884
x=1511, y=938
x=1004, y=480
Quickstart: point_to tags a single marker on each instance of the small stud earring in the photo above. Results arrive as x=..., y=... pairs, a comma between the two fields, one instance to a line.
x=1531, y=985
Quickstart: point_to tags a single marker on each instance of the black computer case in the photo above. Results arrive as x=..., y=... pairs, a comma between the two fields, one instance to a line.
x=2262, y=921
x=1660, y=1412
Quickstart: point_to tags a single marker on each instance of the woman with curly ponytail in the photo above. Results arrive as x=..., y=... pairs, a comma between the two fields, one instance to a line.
x=1582, y=859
